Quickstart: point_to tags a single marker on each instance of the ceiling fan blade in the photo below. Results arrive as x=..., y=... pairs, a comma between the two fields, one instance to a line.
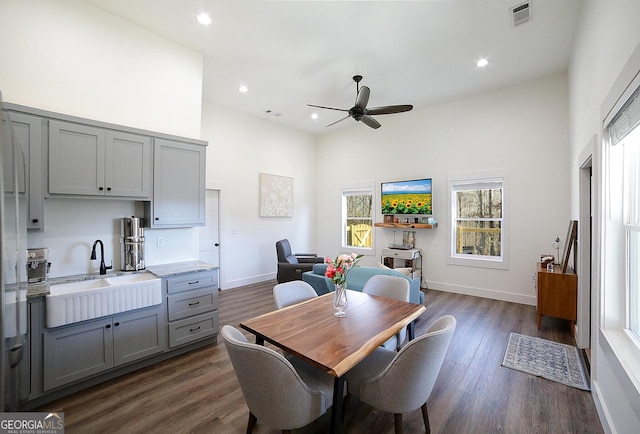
x=363, y=97
x=328, y=108
x=339, y=120
x=368, y=120
x=389, y=109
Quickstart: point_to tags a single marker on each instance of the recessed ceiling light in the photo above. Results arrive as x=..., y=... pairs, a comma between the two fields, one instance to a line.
x=243, y=89
x=482, y=63
x=314, y=116
x=204, y=19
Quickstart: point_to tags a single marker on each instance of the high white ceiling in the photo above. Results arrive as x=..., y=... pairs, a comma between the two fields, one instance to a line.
x=422, y=52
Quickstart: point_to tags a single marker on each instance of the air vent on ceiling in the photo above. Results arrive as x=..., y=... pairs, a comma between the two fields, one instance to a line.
x=520, y=14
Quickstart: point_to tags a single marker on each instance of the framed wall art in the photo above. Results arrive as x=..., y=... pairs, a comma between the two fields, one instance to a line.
x=276, y=196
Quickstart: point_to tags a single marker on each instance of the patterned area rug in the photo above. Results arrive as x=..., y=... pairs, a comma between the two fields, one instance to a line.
x=556, y=362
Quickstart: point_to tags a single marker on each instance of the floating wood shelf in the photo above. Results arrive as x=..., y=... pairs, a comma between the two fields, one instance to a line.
x=406, y=225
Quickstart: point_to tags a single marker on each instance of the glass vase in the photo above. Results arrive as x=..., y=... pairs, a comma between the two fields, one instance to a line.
x=340, y=300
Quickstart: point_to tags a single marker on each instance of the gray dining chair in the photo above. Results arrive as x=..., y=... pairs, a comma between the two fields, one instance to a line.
x=277, y=393
x=288, y=293
x=402, y=382
x=393, y=287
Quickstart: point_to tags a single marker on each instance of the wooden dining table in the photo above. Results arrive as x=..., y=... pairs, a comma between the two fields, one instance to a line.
x=310, y=331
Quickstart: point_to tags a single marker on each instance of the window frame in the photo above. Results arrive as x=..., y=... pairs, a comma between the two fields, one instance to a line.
x=454, y=181
x=364, y=188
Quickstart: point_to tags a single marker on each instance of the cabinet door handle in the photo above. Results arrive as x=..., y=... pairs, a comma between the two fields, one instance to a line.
x=108, y=188
x=195, y=329
x=193, y=283
x=195, y=303
x=100, y=188
x=34, y=220
x=116, y=324
x=157, y=218
x=108, y=326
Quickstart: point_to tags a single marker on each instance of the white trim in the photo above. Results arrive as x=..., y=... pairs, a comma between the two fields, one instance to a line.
x=353, y=188
x=585, y=282
x=479, y=178
x=512, y=297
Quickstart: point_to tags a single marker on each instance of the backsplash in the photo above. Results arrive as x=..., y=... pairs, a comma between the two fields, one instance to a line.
x=72, y=225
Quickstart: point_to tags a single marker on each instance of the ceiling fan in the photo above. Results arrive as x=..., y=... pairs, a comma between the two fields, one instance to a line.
x=360, y=112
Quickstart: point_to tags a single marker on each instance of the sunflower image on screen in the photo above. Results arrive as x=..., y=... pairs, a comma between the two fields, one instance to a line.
x=407, y=197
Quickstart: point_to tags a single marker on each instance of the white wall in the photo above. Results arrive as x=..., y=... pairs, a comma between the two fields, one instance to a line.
x=523, y=129
x=240, y=148
x=69, y=57
x=609, y=32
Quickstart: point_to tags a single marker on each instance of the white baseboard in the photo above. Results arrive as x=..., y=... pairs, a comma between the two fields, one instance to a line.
x=247, y=281
x=484, y=293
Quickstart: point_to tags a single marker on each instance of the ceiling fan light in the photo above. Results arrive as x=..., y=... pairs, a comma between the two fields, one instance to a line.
x=481, y=63
x=243, y=89
x=314, y=116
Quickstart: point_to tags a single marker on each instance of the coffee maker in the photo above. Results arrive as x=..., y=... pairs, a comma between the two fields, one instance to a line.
x=132, y=244
x=37, y=265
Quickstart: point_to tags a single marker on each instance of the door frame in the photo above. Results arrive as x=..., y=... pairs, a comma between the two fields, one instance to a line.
x=585, y=251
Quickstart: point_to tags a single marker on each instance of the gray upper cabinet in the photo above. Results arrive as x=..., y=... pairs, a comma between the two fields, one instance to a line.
x=178, y=184
x=92, y=161
x=27, y=130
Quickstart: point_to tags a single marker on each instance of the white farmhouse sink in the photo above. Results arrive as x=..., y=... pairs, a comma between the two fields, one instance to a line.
x=79, y=301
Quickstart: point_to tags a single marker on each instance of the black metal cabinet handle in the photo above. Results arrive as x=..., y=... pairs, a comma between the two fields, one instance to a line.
x=195, y=303
x=193, y=283
x=195, y=329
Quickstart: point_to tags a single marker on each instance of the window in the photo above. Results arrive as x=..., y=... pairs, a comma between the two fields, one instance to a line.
x=478, y=221
x=357, y=218
x=631, y=201
x=623, y=134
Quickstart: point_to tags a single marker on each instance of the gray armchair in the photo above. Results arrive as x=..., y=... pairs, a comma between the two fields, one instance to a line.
x=277, y=393
x=402, y=382
x=290, y=265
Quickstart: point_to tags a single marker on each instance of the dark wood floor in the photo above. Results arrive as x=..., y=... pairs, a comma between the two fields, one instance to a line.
x=198, y=392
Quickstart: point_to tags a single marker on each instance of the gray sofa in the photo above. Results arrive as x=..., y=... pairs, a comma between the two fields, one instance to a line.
x=356, y=279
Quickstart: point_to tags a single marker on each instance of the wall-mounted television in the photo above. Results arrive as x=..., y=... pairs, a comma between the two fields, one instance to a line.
x=406, y=197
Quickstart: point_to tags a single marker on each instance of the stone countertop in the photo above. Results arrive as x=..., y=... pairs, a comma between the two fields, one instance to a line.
x=165, y=270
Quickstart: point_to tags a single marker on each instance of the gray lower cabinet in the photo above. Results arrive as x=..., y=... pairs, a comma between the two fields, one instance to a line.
x=192, y=306
x=78, y=351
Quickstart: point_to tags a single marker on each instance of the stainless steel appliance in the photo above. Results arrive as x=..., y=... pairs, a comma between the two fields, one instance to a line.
x=13, y=264
x=37, y=265
x=132, y=244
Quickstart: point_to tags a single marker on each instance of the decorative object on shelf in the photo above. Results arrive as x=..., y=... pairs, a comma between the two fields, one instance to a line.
x=337, y=270
x=276, y=196
x=556, y=245
x=545, y=259
x=388, y=218
x=408, y=239
x=572, y=238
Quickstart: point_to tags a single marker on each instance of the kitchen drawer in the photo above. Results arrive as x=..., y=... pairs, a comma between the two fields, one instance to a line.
x=193, y=329
x=192, y=303
x=191, y=281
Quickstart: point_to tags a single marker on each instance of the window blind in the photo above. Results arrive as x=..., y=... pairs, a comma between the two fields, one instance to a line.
x=484, y=184
x=626, y=119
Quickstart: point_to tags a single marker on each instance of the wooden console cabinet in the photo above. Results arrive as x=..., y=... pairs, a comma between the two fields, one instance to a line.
x=557, y=294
